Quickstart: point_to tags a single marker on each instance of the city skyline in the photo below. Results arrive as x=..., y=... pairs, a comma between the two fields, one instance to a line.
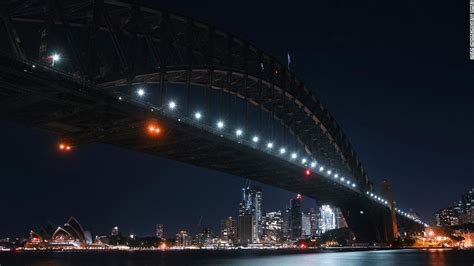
x=98, y=169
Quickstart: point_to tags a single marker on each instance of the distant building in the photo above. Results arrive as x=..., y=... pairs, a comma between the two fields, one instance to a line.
x=204, y=238
x=245, y=229
x=461, y=212
x=305, y=225
x=183, y=239
x=252, y=204
x=327, y=218
x=340, y=220
x=296, y=223
x=272, y=227
x=229, y=230
x=115, y=231
x=70, y=236
x=159, y=231
x=286, y=224
x=313, y=219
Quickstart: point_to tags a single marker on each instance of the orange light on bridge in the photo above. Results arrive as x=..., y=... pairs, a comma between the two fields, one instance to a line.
x=154, y=130
x=64, y=147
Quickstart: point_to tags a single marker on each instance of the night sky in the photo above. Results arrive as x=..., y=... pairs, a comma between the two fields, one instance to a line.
x=396, y=76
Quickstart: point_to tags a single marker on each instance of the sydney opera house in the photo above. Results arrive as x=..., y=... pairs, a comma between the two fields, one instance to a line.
x=70, y=236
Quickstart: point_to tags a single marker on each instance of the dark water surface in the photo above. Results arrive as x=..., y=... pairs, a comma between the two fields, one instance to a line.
x=244, y=257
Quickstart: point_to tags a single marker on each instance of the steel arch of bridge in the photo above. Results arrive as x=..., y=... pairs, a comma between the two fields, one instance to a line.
x=181, y=50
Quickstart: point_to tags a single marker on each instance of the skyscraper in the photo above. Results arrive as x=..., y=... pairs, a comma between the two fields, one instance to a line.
x=286, y=223
x=245, y=229
x=272, y=227
x=305, y=225
x=183, y=239
x=327, y=218
x=313, y=219
x=229, y=230
x=296, y=217
x=159, y=231
x=252, y=205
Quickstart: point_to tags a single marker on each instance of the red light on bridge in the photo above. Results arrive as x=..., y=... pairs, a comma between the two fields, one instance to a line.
x=64, y=147
x=154, y=130
x=307, y=172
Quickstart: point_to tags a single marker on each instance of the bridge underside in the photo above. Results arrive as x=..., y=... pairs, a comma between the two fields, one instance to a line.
x=53, y=102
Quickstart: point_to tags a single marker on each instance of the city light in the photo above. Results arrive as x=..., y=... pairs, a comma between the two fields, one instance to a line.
x=239, y=132
x=141, y=92
x=282, y=150
x=153, y=129
x=255, y=139
x=172, y=105
x=197, y=115
x=220, y=124
x=64, y=147
x=269, y=145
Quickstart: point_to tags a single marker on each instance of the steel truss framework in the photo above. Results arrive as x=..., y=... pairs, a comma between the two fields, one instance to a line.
x=112, y=44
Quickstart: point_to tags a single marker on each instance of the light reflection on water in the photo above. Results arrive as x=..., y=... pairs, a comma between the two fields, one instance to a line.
x=234, y=258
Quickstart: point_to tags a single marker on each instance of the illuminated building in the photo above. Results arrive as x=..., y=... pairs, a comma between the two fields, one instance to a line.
x=462, y=212
x=183, y=239
x=229, y=230
x=327, y=218
x=272, y=227
x=159, y=231
x=245, y=229
x=340, y=220
x=296, y=217
x=252, y=205
x=313, y=219
x=70, y=236
x=285, y=227
x=115, y=231
x=305, y=225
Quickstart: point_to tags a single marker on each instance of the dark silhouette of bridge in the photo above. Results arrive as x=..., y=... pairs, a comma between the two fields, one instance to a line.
x=117, y=71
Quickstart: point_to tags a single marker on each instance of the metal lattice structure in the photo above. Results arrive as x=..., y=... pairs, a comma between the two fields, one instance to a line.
x=117, y=44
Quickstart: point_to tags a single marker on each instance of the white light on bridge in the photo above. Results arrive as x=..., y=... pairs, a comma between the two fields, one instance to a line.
x=220, y=124
x=313, y=164
x=55, y=57
x=353, y=185
x=293, y=155
x=269, y=145
x=282, y=151
x=197, y=115
x=303, y=161
x=329, y=172
x=321, y=169
x=255, y=139
x=239, y=132
x=348, y=182
x=172, y=105
x=120, y=98
x=141, y=92
x=342, y=179
x=336, y=176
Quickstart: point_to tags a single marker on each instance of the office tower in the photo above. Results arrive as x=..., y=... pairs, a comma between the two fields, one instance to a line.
x=305, y=225
x=159, y=231
x=272, y=227
x=296, y=217
x=313, y=219
x=229, y=230
x=327, y=219
x=252, y=205
x=183, y=239
x=245, y=229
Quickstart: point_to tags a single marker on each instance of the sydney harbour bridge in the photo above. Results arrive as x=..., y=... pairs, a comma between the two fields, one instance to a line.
x=146, y=79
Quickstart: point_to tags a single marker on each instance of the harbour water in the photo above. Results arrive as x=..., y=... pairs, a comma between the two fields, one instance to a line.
x=431, y=257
